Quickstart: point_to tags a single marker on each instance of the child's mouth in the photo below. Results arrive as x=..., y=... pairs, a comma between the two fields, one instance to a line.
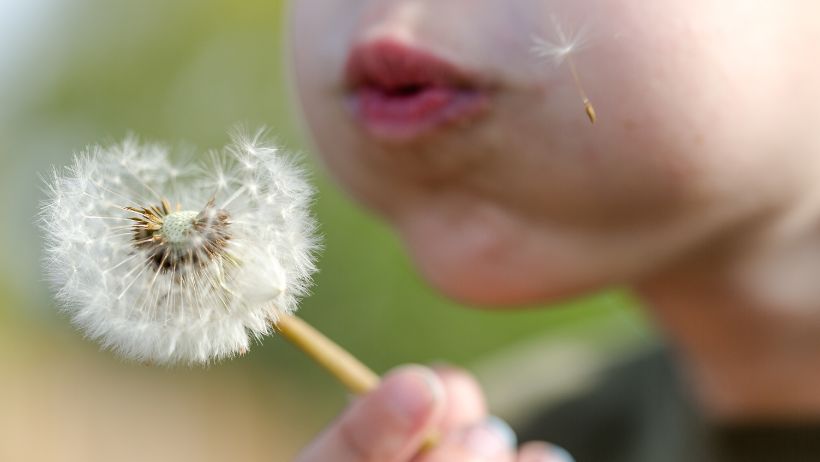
x=400, y=93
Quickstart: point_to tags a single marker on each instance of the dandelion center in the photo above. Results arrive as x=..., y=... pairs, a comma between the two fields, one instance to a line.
x=181, y=240
x=177, y=227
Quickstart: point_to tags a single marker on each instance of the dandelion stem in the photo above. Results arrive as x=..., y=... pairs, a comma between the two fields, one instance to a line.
x=354, y=375
x=590, y=110
x=351, y=372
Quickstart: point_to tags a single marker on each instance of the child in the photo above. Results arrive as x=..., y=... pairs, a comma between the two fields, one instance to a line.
x=669, y=146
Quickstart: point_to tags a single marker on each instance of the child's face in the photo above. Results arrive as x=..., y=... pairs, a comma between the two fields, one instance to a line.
x=438, y=115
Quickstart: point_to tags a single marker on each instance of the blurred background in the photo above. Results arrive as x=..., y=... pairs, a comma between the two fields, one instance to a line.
x=75, y=72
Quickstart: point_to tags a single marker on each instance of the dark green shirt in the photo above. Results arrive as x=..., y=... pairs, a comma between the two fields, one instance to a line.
x=641, y=412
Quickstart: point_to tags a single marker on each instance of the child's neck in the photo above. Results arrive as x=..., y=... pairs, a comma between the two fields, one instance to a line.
x=750, y=345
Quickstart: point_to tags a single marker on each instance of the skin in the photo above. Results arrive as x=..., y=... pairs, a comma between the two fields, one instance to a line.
x=697, y=186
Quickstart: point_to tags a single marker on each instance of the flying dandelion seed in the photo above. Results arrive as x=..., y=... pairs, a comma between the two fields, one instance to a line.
x=165, y=263
x=562, y=51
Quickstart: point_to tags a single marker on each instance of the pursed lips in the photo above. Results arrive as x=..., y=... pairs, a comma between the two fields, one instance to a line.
x=399, y=93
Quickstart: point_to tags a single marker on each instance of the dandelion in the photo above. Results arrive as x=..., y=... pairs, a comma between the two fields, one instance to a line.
x=167, y=263
x=561, y=51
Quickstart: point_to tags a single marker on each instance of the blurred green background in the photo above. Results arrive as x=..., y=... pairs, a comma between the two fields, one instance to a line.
x=75, y=72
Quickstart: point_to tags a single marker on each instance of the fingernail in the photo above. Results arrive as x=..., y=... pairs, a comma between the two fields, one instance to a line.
x=559, y=454
x=501, y=428
x=490, y=439
x=413, y=392
x=544, y=452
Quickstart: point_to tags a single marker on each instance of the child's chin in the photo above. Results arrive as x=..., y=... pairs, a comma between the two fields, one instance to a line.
x=486, y=286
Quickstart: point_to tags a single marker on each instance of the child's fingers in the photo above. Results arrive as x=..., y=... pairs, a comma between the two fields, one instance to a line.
x=489, y=441
x=464, y=404
x=387, y=425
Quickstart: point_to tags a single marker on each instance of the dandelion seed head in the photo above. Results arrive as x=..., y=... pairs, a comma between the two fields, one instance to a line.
x=167, y=263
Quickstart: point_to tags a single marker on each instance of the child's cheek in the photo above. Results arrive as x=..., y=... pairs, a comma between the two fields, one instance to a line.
x=694, y=88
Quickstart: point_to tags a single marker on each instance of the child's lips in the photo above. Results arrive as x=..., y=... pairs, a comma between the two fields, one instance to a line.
x=399, y=93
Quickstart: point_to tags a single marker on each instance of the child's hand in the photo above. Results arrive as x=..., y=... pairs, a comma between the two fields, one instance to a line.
x=391, y=424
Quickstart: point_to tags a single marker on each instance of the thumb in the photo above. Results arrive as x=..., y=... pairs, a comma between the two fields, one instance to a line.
x=387, y=425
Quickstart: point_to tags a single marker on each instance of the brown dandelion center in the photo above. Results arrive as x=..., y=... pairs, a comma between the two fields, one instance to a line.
x=180, y=239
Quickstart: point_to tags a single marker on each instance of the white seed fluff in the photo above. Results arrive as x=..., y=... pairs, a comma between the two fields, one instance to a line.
x=167, y=263
x=562, y=46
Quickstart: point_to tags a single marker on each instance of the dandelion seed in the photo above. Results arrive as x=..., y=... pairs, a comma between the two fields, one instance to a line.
x=165, y=263
x=562, y=51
